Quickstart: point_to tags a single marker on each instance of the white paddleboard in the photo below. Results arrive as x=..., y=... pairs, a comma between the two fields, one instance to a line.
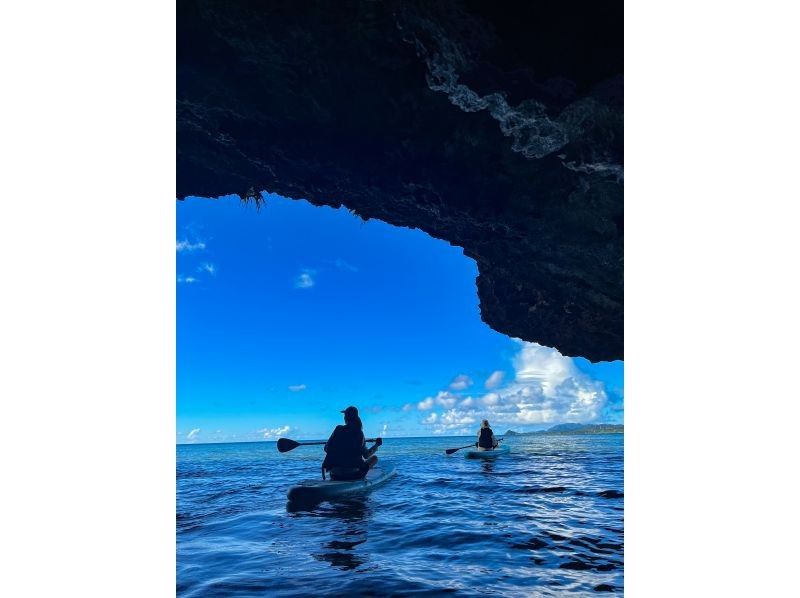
x=310, y=490
x=486, y=454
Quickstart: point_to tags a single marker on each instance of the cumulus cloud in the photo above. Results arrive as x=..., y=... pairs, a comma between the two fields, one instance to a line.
x=408, y=407
x=495, y=379
x=186, y=245
x=274, y=432
x=442, y=399
x=547, y=389
x=425, y=404
x=431, y=419
x=491, y=398
x=297, y=387
x=454, y=418
x=207, y=267
x=445, y=399
x=186, y=279
x=304, y=280
x=461, y=382
x=193, y=434
x=452, y=421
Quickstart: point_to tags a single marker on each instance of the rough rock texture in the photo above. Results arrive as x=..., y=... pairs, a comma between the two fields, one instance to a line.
x=496, y=126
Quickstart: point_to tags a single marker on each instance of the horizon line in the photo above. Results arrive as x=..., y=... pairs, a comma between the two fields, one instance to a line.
x=394, y=437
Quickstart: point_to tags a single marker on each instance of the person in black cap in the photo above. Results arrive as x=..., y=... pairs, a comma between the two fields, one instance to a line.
x=347, y=456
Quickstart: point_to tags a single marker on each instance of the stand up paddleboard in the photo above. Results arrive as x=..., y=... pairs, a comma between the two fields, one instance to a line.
x=486, y=454
x=317, y=490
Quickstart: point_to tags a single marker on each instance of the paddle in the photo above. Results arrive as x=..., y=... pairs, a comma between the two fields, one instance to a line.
x=285, y=444
x=451, y=451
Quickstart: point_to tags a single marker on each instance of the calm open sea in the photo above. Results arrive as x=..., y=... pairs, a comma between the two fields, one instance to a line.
x=547, y=519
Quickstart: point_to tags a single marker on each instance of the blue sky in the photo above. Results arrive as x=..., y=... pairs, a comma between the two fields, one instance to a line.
x=288, y=314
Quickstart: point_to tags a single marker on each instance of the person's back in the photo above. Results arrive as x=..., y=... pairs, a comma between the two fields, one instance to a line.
x=345, y=447
x=486, y=439
x=347, y=456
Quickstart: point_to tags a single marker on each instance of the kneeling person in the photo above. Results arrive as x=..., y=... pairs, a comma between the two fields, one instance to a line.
x=347, y=456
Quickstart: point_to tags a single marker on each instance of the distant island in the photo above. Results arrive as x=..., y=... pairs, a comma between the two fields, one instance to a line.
x=574, y=429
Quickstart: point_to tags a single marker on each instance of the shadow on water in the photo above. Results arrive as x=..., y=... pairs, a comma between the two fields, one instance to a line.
x=352, y=517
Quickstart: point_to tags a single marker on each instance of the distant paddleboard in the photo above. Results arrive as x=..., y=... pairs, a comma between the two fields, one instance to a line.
x=316, y=490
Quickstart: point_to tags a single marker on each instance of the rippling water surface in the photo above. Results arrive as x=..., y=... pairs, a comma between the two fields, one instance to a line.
x=547, y=519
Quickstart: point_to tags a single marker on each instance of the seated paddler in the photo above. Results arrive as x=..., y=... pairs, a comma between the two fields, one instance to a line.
x=346, y=454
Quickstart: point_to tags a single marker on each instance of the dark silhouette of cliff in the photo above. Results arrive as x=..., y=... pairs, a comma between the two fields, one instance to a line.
x=496, y=126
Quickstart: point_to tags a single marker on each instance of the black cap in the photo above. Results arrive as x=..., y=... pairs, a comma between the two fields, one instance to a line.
x=350, y=411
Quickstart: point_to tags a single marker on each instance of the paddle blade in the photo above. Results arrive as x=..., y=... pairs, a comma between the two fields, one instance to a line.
x=285, y=445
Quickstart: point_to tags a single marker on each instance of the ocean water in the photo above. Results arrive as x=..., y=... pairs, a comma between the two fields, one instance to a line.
x=544, y=520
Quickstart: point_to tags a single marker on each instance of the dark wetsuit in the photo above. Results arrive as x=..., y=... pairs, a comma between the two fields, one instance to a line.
x=346, y=450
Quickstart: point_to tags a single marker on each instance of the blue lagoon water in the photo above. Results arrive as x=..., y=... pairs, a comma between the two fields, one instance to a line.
x=547, y=520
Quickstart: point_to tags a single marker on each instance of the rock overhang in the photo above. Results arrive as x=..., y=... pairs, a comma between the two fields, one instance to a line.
x=494, y=126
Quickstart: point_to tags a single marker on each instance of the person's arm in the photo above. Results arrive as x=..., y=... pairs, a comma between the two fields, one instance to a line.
x=368, y=452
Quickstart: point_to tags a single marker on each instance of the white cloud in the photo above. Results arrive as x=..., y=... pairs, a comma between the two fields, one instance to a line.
x=491, y=398
x=547, y=389
x=186, y=279
x=442, y=399
x=460, y=382
x=385, y=429
x=408, y=407
x=206, y=267
x=425, y=404
x=542, y=366
x=297, y=387
x=451, y=422
x=343, y=265
x=304, y=280
x=186, y=245
x=193, y=434
x=495, y=379
x=431, y=419
x=445, y=399
x=274, y=432
x=454, y=418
